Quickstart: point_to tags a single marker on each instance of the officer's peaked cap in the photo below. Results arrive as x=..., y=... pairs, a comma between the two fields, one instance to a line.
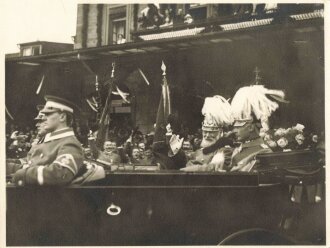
x=55, y=103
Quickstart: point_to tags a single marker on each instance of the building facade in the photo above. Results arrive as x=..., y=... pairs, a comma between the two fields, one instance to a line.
x=208, y=49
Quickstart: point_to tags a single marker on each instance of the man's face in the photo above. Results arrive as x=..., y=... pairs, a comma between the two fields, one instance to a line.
x=109, y=146
x=52, y=121
x=41, y=128
x=197, y=142
x=186, y=145
x=148, y=153
x=243, y=133
x=142, y=146
x=136, y=153
x=210, y=137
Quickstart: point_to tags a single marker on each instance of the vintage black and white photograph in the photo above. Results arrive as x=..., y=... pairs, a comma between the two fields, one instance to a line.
x=164, y=124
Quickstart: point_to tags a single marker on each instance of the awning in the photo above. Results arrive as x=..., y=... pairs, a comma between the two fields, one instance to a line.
x=182, y=39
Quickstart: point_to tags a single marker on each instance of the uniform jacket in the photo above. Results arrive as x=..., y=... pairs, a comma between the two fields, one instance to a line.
x=243, y=158
x=56, y=161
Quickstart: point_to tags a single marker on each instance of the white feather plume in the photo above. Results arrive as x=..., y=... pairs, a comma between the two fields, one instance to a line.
x=253, y=99
x=219, y=109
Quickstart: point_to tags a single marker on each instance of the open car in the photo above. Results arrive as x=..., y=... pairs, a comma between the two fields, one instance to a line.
x=142, y=205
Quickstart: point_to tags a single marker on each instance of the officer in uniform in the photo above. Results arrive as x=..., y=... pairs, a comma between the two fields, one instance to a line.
x=57, y=160
x=41, y=131
x=251, y=108
x=12, y=165
x=213, y=154
x=243, y=157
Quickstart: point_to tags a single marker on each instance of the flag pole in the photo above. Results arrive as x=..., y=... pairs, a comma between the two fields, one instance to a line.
x=164, y=109
x=105, y=116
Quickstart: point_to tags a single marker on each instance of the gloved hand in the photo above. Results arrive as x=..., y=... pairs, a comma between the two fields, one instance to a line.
x=175, y=143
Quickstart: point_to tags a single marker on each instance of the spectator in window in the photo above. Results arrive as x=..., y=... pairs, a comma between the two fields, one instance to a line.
x=179, y=18
x=121, y=39
x=188, y=19
x=168, y=18
x=242, y=9
x=157, y=21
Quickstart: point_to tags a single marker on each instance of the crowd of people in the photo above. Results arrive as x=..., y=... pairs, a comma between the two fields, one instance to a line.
x=229, y=140
x=122, y=145
x=19, y=140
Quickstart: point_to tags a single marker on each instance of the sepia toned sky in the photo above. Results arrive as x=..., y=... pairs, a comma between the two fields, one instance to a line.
x=32, y=20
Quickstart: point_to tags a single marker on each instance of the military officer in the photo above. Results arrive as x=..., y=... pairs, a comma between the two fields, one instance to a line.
x=13, y=165
x=40, y=125
x=243, y=157
x=57, y=160
x=251, y=109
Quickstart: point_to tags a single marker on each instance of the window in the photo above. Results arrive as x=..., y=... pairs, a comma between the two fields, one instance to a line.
x=198, y=11
x=118, y=31
x=27, y=51
x=117, y=24
x=36, y=50
x=32, y=50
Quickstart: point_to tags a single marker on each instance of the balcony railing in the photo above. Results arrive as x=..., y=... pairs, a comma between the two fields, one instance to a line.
x=281, y=14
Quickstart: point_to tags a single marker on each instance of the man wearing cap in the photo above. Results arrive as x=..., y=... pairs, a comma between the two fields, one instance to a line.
x=251, y=109
x=213, y=155
x=247, y=133
x=57, y=160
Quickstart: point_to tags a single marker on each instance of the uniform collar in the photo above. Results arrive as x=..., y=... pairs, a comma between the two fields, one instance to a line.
x=58, y=134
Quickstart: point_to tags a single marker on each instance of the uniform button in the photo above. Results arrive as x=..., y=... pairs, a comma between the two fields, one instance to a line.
x=20, y=183
x=41, y=155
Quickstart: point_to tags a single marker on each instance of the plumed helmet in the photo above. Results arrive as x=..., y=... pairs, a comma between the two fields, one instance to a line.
x=253, y=102
x=217, y=113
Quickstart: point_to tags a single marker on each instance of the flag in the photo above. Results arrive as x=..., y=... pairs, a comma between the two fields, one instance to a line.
x=123, y=94
x=8, y=113
x=144, y=76
x=164, y=110
x=92, y=105
x=105, y=119
x=40, y=85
